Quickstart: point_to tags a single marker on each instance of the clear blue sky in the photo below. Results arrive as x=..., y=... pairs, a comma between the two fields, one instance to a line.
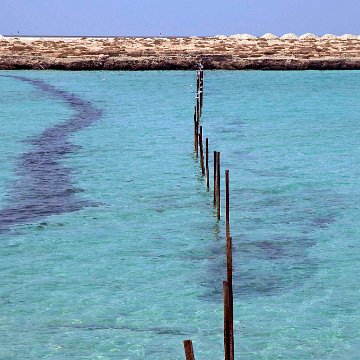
x=182, y=17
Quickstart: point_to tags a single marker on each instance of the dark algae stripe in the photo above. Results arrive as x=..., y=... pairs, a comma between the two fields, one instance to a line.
x=45, y=186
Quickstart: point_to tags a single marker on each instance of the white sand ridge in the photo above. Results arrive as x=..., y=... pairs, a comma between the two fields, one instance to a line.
x=269, y=36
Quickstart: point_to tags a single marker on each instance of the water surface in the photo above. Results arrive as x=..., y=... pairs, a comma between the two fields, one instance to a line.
x=130, y=262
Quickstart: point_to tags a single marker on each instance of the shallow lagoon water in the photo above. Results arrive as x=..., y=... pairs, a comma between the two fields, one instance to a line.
x=139, y=266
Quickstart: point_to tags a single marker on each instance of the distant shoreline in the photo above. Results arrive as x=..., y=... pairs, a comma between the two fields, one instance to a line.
x=90, y=37
x=180, y=53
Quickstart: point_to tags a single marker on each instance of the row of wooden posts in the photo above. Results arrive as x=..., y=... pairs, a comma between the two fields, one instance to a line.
x=204, y=164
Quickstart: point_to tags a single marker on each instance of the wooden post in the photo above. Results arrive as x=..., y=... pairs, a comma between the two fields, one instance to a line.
x=227, y=202
x=200, y=103
x=218, y=185
x=226, y=320
x=215, y=173
x=189, y=351
x=207, y=164
x=230, y=293
x=198, y=107
x=229, y=265
x=195, y=132
x=201, y=152
x=201, y=90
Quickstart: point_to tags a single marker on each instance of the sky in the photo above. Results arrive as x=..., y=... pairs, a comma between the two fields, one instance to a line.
x=178, y=18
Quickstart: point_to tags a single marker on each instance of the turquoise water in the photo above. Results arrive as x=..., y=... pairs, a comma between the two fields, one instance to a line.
x=134, y=262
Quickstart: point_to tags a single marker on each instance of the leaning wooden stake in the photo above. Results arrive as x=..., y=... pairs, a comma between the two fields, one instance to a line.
x=201, y=152
x=189, y=351
x=226, y=320
x=230, y=291
x=218, y=185
x=207, y=164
